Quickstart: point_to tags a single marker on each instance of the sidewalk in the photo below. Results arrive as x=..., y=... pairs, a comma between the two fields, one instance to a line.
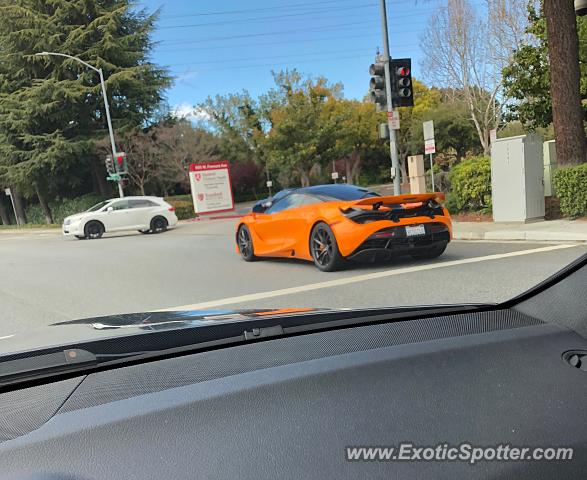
x=549, y=231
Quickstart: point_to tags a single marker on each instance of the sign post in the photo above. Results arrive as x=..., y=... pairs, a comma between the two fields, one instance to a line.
x=393, y=119
x=430, y=146
x=8, y=193
x=211, y=187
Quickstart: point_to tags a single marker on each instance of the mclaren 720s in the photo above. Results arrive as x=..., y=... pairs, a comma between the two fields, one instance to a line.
x=329, y=224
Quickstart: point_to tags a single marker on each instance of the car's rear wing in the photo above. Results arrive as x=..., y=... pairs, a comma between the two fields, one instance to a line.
x=401, y=199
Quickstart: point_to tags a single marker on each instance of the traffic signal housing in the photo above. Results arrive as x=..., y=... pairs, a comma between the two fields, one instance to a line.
x=110, y=165
x=402, y=92
x=120, y=163
x=377, y=91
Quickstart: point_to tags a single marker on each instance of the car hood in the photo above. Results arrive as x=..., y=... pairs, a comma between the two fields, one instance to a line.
x=77, y=216
x=109, y=326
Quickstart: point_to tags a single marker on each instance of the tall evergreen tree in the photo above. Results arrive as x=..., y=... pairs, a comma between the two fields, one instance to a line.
x=51, y=108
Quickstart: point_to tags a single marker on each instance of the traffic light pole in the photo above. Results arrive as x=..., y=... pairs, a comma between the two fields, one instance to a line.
x=106, y=105
x=110, y=130
x=395, y=170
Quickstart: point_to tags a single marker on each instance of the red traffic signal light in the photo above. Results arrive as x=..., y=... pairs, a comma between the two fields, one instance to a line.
x=401, y=82
x=120, y=164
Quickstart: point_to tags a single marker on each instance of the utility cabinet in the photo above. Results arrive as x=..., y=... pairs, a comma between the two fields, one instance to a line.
x=416, y=173
x=549, y=151
x=517, y=179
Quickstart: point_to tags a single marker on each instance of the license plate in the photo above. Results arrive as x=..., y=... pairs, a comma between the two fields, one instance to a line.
x=414, y=230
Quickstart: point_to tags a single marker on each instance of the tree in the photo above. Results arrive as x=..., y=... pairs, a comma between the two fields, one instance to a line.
x=181, y=144
x=51, y=109
x=304, y=131
x=467, y=53
x=356, y=133
x=563, y=53
x=527, y=80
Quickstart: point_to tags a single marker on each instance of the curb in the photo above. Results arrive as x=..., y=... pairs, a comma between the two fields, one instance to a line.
x=220, y=217
x=521, y=236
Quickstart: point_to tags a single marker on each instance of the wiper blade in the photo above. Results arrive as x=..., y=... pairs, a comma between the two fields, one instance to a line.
x=40, y=366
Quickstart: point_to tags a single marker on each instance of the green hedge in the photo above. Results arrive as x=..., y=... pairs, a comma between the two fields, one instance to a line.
x=570, y=185
x=470, y=183
x=63, y=208
x=183, y=209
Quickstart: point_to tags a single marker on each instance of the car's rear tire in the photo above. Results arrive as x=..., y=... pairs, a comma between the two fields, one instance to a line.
x=433, y=252
x=94, y=230
x=245, y=244
x=324, y=249
x=80, y=237
x=159, y=224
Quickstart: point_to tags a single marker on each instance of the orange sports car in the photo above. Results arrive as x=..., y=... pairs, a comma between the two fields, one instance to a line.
x=329, y=224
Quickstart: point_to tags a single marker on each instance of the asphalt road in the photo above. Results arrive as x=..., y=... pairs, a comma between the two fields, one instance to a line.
x=46, y=278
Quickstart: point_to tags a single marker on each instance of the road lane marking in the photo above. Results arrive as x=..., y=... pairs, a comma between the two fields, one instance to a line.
x=360, y=278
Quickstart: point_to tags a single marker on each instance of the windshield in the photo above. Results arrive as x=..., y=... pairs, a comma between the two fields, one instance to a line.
x=257, y=158
x=98, y=206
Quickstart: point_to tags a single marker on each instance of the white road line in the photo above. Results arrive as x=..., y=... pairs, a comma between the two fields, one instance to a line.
x=360, y=278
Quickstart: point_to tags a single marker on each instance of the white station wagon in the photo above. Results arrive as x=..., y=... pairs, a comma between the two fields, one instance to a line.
x=145, y=214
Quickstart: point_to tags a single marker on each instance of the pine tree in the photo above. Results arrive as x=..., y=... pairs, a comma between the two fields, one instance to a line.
x=51, y=108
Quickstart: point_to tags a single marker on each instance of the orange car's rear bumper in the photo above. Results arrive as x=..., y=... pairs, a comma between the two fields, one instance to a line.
x=351, y=235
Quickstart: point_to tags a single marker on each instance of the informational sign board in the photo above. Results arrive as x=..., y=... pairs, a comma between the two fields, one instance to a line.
x=429, y=146
x=393, y=118
x=211, y=187
x=7, y=191
x=334, y=175
x=269, y=183
x=428, y=130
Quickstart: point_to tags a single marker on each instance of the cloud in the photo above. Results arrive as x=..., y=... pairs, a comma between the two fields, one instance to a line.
x=187, y=111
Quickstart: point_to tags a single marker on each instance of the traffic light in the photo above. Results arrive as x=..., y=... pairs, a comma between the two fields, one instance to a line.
x=402, y=92
x=377, y=91
x=109, y=165
x=120, y=163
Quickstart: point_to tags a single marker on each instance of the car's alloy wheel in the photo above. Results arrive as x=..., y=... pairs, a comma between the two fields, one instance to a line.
x=94, y=230
x=245, y=244
x=158, y=225
x=324, y=248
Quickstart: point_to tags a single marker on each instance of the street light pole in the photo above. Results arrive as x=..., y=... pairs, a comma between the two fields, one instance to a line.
x=106, y=105
x=395, y=170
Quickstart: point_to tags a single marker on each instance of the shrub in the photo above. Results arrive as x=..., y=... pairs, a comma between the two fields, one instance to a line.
x=570, y=185
x=63, y=208
x=470, y=183
x=183, y=209
x=451, y=203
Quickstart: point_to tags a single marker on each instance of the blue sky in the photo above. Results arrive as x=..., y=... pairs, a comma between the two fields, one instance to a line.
x=230, y=45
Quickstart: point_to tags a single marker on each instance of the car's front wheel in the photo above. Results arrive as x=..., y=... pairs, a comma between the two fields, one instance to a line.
x=159, y=224
x=324, y=248
x=431, y=253
x=94, y=230
x=245, y=244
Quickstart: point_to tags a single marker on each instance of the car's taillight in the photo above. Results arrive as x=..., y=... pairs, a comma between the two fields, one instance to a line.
x=171, y=209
